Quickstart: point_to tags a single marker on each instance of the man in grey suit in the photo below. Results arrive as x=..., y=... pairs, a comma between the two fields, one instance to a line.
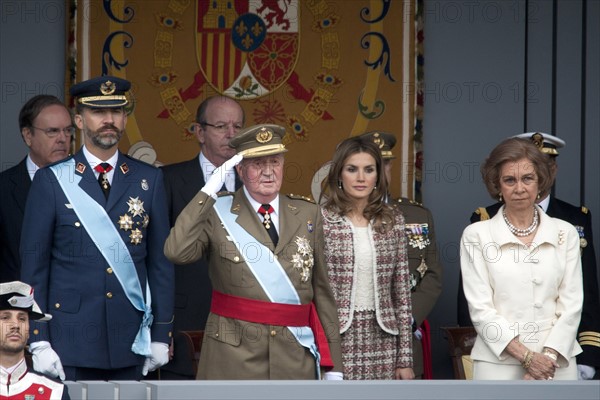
x=218, y=119
x=46, y=128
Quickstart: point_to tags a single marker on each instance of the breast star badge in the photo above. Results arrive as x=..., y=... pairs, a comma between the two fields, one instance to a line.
x=136, y=236
x=125, y=222
x=136, y=206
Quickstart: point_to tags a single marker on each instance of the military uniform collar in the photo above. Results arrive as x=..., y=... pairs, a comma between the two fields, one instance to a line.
x=12, y=375
x=255, y=204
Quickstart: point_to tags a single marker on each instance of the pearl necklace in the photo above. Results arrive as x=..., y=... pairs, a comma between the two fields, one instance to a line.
x=522, y=232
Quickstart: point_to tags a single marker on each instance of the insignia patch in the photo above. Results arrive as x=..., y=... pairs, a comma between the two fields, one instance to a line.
x=124, y=168
x=145, y=184
x=309, y=226
x=80, y=168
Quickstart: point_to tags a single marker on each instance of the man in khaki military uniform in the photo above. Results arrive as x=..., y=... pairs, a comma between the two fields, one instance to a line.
x=425, y=269
x=273, y=315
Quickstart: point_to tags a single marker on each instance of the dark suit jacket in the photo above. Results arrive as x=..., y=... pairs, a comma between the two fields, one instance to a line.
x=589, y=327
x=192, y=284
x=93, y=323
x=15, y=184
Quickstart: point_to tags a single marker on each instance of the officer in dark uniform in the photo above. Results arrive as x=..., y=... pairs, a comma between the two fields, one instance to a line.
x=425, y=269
x=580, y=217
x=94, y=227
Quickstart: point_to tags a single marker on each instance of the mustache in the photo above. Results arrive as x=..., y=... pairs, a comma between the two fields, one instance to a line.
x=108, y=128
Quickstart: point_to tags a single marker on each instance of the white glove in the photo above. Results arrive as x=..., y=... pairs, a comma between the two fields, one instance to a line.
x=585, y=372
x=46, y=361
x=159, y=357
x=217, y=179
x=333, y=376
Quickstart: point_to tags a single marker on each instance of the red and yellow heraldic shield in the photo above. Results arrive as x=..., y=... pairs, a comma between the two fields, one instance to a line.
x=247, y=49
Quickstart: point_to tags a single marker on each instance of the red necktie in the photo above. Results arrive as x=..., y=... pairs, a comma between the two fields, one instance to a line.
x=104, y=169
x=266, y=210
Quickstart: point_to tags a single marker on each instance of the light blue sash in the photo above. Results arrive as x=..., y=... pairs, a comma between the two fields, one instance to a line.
x=268, y=271
x=104, y=234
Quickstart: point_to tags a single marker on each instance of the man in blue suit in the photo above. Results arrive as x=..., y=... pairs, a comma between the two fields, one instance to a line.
x=93, y=233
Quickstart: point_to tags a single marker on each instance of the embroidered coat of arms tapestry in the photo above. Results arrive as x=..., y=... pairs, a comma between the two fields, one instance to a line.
x=324, y=69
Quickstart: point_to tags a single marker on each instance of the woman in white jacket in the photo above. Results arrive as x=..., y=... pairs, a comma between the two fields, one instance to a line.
x=522, y=274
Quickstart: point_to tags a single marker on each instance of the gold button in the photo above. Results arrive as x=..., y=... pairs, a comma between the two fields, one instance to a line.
x=236, y=259
x=201, y=202
x=109, y=295
x=273, y=332
x=57, y=305
x=36, y=332
x=77, y=224
x=217, y=334
x=109, y=270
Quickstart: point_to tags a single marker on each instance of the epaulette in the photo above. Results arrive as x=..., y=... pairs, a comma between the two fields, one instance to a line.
x=403, y=200
x=300, y=197
x=584, y=209
x=483, y=214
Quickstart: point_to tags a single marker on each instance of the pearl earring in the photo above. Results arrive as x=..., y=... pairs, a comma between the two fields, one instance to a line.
x=339, y=184
x=500, y=197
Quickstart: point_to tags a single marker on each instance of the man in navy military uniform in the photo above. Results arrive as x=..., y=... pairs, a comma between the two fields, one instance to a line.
x=580, y=217
x=94, y=227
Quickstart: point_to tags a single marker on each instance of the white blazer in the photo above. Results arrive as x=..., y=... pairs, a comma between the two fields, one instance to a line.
x=534, y=292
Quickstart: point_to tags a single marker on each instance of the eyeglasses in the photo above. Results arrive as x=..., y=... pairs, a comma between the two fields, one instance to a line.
x=222, y=128
x=54, y=132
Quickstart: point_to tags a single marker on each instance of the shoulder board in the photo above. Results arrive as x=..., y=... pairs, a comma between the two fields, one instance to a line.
x=482, y=212
x=224, y=193
x=300, y=197
x=404, y=200
x=584, y=209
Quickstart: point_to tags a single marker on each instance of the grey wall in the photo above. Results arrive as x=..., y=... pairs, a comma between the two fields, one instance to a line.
x=32, y=61
x=490, y=73
x=480, y=56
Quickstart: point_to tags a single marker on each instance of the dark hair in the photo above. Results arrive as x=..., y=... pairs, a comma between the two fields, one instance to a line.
x=201, y=111
x=34, y=106
x=511, y=150
x=338, y=201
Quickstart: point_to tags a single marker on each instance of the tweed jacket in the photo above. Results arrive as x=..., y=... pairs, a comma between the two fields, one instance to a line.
x=236, y=349
x=392, y=286
x=535, y=292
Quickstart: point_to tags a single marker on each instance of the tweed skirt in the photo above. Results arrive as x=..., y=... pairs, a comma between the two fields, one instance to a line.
x=368, y=352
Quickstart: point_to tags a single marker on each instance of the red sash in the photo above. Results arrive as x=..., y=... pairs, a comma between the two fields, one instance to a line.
x=426, y=342
x=279, y=314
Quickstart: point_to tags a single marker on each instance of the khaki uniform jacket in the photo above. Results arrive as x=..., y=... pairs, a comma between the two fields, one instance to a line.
x=234, y=349
x=427, y=288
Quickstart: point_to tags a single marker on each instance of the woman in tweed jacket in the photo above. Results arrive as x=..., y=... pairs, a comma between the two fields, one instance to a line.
x=365, y=250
